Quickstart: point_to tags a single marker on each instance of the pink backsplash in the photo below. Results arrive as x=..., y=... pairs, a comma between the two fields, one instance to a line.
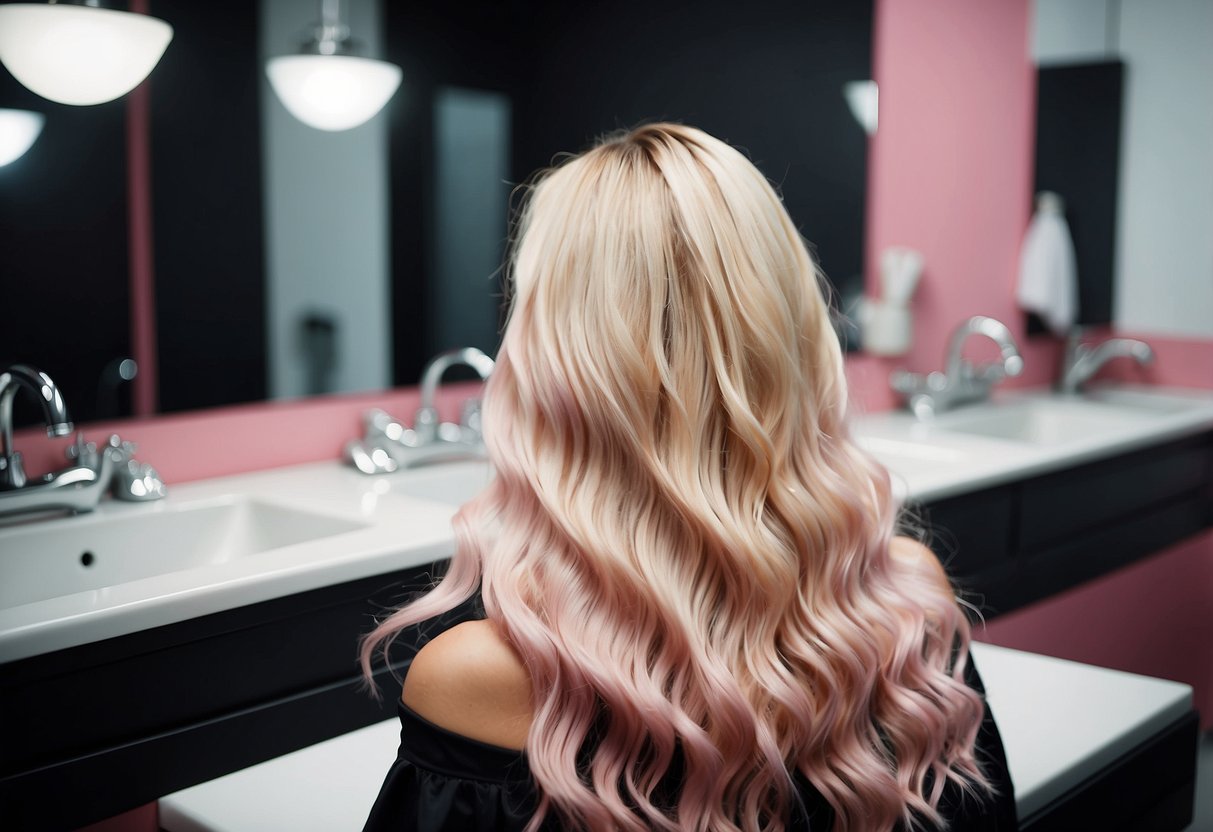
x=250, y=437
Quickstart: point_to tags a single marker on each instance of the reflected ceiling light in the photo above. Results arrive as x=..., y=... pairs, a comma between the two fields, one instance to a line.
x=18, y=130
x=328, y=86
x=863, y=97
x=78, y=54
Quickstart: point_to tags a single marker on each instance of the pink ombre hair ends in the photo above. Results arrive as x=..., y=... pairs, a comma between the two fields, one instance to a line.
x=681, y=541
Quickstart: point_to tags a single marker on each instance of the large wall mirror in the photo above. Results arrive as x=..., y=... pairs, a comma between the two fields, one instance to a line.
x=1156, y=264
x=290, y=261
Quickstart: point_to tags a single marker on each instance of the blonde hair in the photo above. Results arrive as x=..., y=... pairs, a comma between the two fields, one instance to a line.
x=681, y=541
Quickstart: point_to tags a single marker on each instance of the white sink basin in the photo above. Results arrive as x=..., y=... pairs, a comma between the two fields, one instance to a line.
x=65, y=556
x=1044, y=421
x=1150, y=402
x=216, y=545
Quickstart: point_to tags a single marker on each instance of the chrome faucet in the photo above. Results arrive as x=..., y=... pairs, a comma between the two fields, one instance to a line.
x=78, y=487
x=1082, y=361
x=961, y=382
x=54, y=413
x=388, y=445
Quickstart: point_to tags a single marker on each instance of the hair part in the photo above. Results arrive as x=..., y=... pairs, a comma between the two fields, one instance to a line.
x=681, y=541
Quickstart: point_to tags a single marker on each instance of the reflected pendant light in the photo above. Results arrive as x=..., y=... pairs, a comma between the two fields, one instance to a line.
x=328, y=86
x=79, y=54
x=863, y=97
x=18, y=131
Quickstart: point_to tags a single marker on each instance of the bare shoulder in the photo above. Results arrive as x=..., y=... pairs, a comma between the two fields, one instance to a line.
x=909, y=550
x=470, y=681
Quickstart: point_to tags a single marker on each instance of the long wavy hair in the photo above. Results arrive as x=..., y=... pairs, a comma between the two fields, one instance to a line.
x=681, y=542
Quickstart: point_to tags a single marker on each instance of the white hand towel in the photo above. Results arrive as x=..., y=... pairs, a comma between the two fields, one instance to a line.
x=1048, y=277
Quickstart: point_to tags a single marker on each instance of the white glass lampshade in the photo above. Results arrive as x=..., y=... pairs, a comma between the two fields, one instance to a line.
x=79, y=54
x=332, y=92
x=18, y=131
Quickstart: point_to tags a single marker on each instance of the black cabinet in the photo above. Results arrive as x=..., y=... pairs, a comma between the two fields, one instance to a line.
x=120, y=722
x=1014, y=544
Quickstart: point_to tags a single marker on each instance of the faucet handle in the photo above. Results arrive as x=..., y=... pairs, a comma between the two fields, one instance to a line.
x=82, y=451
x=137, y=482
x=119, y=450
x=425, y=423
x=470, y=417
x=907, y=383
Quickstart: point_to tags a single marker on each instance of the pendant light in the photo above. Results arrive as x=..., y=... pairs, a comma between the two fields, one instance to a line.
x=79, y=54
x=328, y=86
x=18, y=131
x=863, y=97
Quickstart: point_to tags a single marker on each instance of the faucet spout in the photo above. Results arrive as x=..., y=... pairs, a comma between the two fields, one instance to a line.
x=436, y=369
x=996, y=331
x=927, y=395
x=54, y=413
x=1083, y=361
x=388, y=445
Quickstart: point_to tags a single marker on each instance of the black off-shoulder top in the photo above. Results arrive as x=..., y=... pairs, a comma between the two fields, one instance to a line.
x=445, y=782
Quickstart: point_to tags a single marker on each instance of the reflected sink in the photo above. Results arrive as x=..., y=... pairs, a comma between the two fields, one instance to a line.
x=1045, y=421
x=89, y=553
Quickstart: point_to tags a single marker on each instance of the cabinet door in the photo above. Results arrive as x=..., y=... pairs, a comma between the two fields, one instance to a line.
x=972, y=533
x=1097, y=496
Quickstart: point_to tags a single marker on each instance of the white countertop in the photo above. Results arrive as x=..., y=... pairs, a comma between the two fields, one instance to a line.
x=1060, y=722
x=403, y=519
x=930, y=461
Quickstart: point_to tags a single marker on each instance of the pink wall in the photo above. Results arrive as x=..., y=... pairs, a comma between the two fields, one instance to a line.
x=1154, y=617
x=950, y=173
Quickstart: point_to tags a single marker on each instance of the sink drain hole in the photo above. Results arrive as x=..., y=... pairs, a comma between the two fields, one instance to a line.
x=87, y=559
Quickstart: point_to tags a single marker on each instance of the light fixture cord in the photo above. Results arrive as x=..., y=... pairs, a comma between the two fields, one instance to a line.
x=332, y=31
x=330, y=13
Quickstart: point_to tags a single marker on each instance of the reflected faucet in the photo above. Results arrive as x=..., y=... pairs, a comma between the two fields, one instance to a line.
x=388, y=445
x=54, y=414
x=1082, y=361
x=961, y=382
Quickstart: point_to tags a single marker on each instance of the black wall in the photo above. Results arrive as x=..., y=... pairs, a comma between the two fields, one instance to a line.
x=63, y=249
x=767, y=76
x=206, y=191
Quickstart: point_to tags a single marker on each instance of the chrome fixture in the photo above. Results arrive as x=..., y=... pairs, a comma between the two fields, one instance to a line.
x=54, y=413
x=79, y=486
x=387, y=445
x=1082, y=361
x=961, y=381
x=328, y=85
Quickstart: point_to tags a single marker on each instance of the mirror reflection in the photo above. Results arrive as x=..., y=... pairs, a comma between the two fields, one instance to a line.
x=238, y=254
x=1142, y=199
